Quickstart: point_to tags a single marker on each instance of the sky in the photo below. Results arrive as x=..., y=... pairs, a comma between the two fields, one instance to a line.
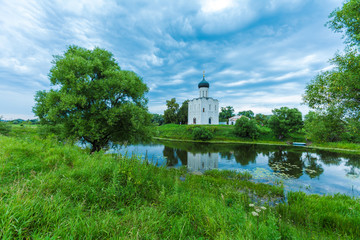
x=257, y=55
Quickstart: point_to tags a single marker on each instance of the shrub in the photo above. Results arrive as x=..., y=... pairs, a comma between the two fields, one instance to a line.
x=202, y=134
x=5, y=128
x=244, y=127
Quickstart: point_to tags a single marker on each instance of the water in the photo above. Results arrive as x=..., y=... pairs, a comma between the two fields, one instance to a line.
x=298, y=168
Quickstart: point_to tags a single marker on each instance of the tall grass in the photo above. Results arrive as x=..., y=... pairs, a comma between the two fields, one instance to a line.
x=51, y=190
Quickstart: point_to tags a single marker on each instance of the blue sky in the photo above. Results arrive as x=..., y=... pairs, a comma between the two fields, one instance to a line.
x=258, y=55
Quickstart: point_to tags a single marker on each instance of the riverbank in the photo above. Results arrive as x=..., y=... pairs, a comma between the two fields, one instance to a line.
x=224, y=134
x=56, y=190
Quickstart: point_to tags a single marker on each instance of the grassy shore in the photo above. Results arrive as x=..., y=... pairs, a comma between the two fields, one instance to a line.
x=225, y=134
x=51, y=190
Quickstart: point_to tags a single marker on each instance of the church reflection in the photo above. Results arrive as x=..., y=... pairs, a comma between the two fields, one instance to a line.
x=200, y=162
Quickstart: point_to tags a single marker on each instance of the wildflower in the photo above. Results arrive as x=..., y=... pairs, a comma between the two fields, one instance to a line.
x=263, y=208
x=251, y=205
x=254, y=214
x=258, y=210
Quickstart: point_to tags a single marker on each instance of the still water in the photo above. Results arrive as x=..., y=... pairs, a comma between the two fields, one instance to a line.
x=299, y=168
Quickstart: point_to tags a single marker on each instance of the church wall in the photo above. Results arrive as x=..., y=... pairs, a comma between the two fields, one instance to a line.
x=202, y=109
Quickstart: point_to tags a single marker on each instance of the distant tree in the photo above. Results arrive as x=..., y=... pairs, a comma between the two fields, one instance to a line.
x=171, y=113
x=226, y=113
x=5, y=127
x=321, y=127
x=285, y=120
x=94, y=100
x=245, y=127
x=158, y=119
x=183, y=112
x=248, y=113
x=262, y=119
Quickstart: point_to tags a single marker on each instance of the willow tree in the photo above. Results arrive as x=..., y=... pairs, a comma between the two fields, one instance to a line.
x=93, y=99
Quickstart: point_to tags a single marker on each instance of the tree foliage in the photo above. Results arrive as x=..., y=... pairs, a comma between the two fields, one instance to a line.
x=203, y=134
x=183, y=112
x=158, y=119
x=262, y=119
x=339, y=88
x=245, y=127
x=324, y=127
x=226, y=113
x=347, y=19
x=285, y=121
x=248, y=113
x=335, y=94
x=171, y=113
x=94, y=100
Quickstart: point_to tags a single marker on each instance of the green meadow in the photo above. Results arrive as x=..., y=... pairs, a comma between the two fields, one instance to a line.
x=225, y=133
x=56, y=190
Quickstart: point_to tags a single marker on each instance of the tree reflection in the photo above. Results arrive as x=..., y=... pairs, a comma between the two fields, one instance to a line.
x=244, y=154
x=287, y=163
x=313, y=169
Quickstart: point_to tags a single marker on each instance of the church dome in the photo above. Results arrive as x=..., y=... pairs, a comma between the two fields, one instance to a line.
x=204, y=83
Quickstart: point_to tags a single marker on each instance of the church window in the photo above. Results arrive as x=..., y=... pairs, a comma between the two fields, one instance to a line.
x=209, y=120
x=194, y=120
x=209, y=107
x=203, y=109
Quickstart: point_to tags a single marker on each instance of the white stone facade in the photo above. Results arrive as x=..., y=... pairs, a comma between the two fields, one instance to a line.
x=202, y=161
x=204, y=109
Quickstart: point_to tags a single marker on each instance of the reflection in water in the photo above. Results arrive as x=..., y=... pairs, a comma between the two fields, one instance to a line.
x=202, y=161
x=317, y=170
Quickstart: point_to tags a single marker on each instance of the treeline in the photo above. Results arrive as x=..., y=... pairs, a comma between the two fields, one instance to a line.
x=174, y=113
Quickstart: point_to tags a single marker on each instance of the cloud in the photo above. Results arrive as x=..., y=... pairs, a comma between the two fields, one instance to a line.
x=257, y=54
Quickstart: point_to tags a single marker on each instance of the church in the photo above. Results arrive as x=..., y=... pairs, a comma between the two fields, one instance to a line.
x=204, y=109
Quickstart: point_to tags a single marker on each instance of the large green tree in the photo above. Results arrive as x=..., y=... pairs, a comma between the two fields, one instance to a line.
x=93, y=99
x=226, y=113
x=171, y=112
x=245, y=127
x=285, y=121
x=337, y=92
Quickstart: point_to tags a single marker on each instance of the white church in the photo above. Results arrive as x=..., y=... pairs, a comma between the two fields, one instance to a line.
x=204, y=109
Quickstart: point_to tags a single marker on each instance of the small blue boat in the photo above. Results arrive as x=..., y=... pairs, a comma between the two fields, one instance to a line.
x=299, y=144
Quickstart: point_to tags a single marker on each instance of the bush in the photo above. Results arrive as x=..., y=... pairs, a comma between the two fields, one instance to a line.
x=244, y=127
x=5, y=128
x=202, y=134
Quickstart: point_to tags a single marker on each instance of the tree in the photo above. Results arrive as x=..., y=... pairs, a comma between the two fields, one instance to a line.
x=337, y=92
x=337, y=89
x=183, y=112
x=249, y=114
x=158, y=119
x=262, y=119
x=226, y=113
x=347, y=19
x=245, y=127
x=94, y=100
x=324, y=127
x=285, y=120
x=171, y=113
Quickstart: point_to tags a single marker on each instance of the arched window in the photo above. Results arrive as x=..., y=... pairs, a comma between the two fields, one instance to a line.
x=203, y=109
x=209, y=120
x=194, y=120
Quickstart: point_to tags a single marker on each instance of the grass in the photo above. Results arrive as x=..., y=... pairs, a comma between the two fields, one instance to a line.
x=225, y=134
x=51, y=190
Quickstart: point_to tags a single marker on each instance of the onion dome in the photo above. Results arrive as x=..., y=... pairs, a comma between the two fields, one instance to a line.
x=204, y=83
